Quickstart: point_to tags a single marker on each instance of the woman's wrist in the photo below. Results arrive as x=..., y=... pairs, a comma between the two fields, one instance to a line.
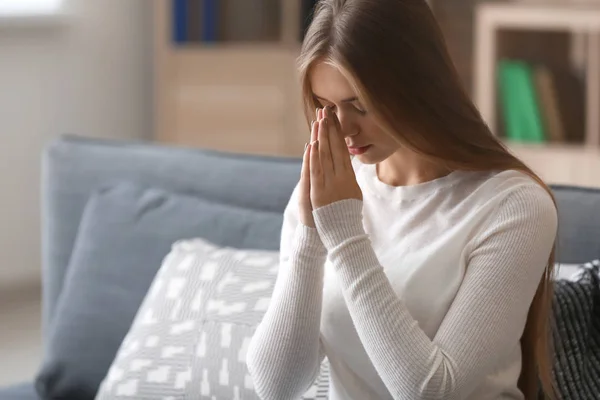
x=309, y=242
x=339, y=221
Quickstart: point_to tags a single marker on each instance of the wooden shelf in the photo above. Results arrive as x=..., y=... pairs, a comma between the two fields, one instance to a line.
x=577, y=18
x=572, y=16
x=245, y=97
x=232, y=96
x=557, y=163
x=561, y=163
x=237, y=46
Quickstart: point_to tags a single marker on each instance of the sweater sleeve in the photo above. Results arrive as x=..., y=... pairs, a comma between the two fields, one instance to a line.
x=285, y=352
x=486, y=318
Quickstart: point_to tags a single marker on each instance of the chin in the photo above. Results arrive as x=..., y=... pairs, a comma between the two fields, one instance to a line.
x=370, y=157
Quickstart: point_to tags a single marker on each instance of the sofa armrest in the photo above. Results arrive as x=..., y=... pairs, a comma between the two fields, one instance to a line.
x=23, y=391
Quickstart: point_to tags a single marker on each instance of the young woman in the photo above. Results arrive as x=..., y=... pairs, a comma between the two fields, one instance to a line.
x=421, y=268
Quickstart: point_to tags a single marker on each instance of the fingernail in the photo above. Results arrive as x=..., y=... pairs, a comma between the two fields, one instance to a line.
x=312, y=123
x=305, y=146
x=316, y=144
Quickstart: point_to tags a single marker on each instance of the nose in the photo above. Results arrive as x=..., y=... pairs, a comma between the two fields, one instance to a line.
x=348, y=124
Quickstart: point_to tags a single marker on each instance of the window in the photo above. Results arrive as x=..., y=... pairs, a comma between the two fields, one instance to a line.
x=17, y=8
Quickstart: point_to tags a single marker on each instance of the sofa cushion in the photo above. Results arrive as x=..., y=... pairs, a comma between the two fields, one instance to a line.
x=74, y=167
x=577, y=329
x=191, y=334
x=125, y=232
x=24, y=391
x=578, y=224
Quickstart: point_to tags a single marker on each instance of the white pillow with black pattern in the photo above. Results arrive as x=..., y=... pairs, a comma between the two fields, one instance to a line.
x=572, y=272
x=191, y=334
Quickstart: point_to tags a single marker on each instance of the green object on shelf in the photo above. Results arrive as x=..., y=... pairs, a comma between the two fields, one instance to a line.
x=519, y=101
x=530, y=104
x=509, y=97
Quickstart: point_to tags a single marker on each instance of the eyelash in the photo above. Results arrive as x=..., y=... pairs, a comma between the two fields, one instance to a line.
x=358, y=110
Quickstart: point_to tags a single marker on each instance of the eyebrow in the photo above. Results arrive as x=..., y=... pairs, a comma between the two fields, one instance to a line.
x=348, y=100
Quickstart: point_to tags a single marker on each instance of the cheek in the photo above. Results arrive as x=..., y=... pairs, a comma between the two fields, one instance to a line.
x=382, y=139
x=368, y=127
x=374, y=132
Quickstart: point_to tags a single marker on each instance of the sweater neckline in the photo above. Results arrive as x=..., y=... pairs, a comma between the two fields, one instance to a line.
x=367, y=175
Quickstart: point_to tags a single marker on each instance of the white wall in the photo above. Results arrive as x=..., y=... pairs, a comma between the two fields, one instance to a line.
x=90, y=76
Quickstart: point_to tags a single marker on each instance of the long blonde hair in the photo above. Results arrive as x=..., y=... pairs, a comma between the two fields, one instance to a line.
x=394, y=55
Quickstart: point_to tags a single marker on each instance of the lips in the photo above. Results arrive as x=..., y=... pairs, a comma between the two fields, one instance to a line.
x=358, y=150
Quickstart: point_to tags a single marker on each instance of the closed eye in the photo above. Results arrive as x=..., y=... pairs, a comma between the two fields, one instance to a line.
x=320, y=103
x=359, y=109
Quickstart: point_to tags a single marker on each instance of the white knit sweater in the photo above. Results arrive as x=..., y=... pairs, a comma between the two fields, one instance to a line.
x=417, y=292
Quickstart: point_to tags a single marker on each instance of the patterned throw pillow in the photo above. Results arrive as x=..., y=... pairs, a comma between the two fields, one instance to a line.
x=576, y=331
x=191, y=334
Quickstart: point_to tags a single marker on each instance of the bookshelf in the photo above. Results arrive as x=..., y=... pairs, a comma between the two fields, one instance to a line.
x=576, y=163
x=236, y=88
x=233, y=85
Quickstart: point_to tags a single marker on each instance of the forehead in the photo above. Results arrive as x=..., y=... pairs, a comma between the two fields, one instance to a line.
x=329, y=83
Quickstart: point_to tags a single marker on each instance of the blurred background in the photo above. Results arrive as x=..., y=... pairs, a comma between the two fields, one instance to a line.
x=221, y=74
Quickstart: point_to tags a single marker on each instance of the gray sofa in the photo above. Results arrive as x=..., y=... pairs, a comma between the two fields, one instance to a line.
x=74, y=169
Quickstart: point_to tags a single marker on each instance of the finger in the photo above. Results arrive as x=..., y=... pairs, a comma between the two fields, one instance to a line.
x=319, y=114
x=334, y=136
x=325, y=149
x=342, y=140
x=314, y=131
x=316, y=177
x=305, y=173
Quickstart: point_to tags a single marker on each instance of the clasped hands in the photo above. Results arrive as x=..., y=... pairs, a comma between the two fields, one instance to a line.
x=327, y=175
